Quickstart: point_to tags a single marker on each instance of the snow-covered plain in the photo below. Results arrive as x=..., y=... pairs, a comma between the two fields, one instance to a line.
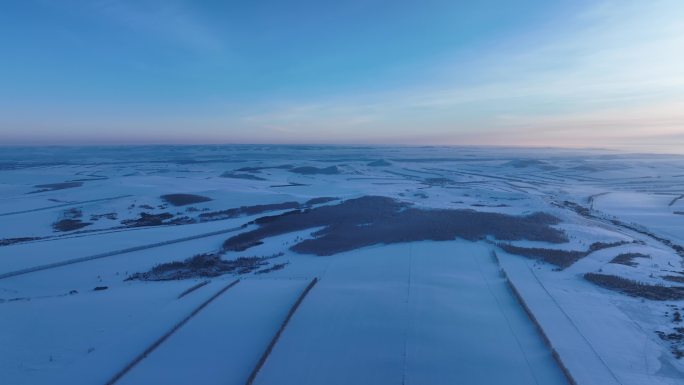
x=77, y=223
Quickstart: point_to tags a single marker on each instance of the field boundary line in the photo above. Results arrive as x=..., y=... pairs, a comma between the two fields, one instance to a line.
x=192, y=288
x=276, y=337
x=566, y=372
x=113, y=253
x=63, y=205
x=168, y=334
x=555, y=353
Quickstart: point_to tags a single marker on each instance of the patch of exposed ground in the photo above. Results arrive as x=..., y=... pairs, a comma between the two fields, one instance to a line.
x=636, y=289
x=558, y=257
x=184, y=199
x=207, y=265
x=371, y=220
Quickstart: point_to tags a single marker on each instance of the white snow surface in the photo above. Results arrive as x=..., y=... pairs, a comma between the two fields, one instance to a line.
x=419, y=313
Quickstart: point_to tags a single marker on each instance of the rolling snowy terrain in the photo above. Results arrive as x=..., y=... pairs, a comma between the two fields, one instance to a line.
x=340, y=265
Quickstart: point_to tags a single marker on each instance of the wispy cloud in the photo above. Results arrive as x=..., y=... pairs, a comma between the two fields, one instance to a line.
x=170, y=20
x=617, y=73
x=611, y=74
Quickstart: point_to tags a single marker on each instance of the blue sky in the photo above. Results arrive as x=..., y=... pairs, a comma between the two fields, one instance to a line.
x=559, y=73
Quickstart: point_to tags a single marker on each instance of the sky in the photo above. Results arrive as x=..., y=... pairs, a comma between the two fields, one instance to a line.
x=567, y=73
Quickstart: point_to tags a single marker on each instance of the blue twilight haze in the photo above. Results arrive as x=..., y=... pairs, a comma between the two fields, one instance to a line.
x=496, y=72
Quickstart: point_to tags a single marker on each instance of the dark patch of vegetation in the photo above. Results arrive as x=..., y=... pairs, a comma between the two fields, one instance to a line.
x=147, y=219
x=184, y=220
x=674, y=278
x=96, y=217
x=310, y=170
x=73, y=213
x=55, y=186
x=275, y=267
x=627, y=259
x=11, y=241
x=483, y=205
x=670, y=336
x=379, y=163
x=69, y=225
x=184, y=199
x=257, y=170
x=71, y=220
x=202, y=265
x=59, y=186
x=579, y=209
x=676, y=340
x=241, y=176
x=100, y=288
x=289, y=185
x=317, y=201
x=636, y=289
x=248, y=210
x=558, y=257
x=371, y=220
x=679, y=212
x=95, y=177
x=258, y=209
x=596, y=246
